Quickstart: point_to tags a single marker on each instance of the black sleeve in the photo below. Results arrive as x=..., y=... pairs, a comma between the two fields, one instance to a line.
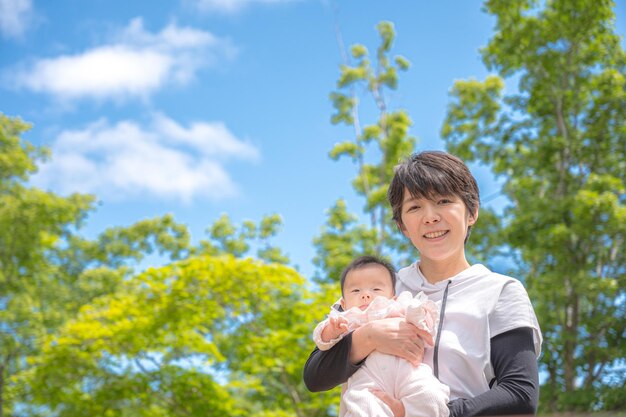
x=516, y=390
x=326, y=369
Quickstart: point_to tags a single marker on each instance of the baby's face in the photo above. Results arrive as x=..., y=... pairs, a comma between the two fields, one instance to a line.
x=364, y=284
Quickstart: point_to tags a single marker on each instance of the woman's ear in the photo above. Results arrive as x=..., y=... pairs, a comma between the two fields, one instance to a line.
x=473, y=217
x=401, y=227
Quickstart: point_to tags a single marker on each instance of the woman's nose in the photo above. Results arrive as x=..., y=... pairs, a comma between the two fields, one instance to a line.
x=431, y=215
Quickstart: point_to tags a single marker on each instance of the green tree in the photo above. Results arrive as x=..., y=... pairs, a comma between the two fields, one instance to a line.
x=32, y=222
x=558, y=141
x=343, y=237
x=263, y=359
x=209, y=335
x=238, y=240
x=48, y=271
x=341, y=240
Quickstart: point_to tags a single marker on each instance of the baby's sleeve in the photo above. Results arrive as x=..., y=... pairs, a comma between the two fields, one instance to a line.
x=424, y=314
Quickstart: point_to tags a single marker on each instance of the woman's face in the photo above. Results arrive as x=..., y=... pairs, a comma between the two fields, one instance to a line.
x=437, y=228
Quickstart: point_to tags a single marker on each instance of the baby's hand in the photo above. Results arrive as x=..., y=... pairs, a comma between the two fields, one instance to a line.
x=336, y=327
x=339, y=325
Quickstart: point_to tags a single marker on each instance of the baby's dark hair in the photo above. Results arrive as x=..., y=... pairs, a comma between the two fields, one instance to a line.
x=364, y=261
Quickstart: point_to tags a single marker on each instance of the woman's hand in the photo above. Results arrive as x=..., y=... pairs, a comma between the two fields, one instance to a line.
x=397, y=408
x=393, y=336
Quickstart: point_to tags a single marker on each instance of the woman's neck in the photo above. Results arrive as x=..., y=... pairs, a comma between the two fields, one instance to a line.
x=435, y=272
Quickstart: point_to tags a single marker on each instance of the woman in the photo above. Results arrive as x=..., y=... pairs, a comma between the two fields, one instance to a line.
x=488, y=339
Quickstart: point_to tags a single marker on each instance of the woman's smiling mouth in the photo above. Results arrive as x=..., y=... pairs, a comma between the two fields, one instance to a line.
x=434, y=235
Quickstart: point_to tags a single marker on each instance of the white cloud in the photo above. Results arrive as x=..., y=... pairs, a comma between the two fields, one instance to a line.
x=208, y=138
x=15, y=16
x=102, y=72
x=231, y=6
x=172, y=37
x=163, y=160
x=136, y=64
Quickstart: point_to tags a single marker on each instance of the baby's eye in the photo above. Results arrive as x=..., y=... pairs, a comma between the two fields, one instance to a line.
x=355, y=290
x=377, y=289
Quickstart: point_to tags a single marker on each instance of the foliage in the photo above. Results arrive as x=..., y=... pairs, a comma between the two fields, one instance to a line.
x=559, y=143
x=167, y=342
x=225, y=237
x=32, y=221
x=343, y=238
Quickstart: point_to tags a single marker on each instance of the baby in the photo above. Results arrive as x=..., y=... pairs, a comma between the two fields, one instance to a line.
x=367, y=288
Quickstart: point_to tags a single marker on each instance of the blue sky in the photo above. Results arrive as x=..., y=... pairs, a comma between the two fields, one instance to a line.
x=204, y=107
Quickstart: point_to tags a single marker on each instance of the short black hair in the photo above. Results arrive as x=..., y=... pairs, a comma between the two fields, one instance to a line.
x=364, y=261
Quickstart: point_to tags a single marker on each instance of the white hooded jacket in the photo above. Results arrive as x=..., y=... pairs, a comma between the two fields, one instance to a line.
x=475, y=306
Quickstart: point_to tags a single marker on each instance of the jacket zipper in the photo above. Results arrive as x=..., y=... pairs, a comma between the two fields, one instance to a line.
x=441, y=315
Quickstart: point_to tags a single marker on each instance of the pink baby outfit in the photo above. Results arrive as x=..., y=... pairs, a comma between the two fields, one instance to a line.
x=421, y=393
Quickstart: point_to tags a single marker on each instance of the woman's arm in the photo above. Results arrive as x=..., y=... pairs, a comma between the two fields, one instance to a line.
x=325, y=370
x=516, y=390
